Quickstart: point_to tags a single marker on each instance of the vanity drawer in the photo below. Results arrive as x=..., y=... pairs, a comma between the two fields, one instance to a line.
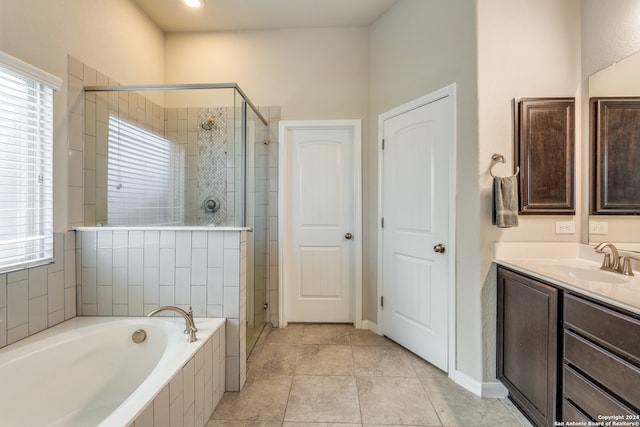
x=612, y=329
x=589, y=397
x=619, y=376
x=571, y=413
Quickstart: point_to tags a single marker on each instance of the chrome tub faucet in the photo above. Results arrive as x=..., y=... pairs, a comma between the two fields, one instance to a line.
x=190, y=326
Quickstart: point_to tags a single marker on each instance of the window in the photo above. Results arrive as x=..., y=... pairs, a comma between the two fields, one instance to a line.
x=26, y=163
x=145, y=177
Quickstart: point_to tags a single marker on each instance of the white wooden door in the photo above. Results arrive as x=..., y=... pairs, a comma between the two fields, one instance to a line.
x=320, y=225
x=415, y=236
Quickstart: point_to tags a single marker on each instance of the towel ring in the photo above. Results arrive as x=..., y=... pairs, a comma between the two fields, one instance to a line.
x=499, y=158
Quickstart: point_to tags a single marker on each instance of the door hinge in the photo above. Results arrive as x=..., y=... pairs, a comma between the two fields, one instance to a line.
x=383, y=143
x=382, y=223
x=381, y=301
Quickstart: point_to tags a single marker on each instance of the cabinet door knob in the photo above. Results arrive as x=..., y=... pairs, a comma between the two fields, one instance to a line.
x=439, y=248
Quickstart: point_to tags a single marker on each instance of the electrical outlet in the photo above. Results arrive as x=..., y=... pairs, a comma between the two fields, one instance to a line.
x=565, y=227
x=598, y=227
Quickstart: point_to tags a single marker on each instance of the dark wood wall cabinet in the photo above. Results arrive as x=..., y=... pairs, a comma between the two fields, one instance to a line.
x=545, y=145
x=615, y=156
x=563, y=356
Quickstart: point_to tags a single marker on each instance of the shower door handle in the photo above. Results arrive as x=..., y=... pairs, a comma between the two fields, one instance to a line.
x=348, y=236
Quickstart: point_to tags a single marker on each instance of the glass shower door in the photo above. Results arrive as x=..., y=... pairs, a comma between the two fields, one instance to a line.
x=256, y=215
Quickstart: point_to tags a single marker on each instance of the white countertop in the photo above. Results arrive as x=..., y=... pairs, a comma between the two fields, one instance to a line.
x=572, y=266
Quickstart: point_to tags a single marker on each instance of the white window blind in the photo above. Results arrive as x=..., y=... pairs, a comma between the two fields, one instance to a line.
x=26, y=163
x=145, y=177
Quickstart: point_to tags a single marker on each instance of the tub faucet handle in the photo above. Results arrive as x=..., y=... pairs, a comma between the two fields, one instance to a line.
x=192, y=334
x=192, y=322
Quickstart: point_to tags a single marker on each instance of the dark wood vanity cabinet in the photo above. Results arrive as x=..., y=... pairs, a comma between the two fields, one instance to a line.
x=527, y=344
x=601, y=363
x=564, y=356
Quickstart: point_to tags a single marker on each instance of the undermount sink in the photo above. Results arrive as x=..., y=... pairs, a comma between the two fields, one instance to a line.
x=591, y=274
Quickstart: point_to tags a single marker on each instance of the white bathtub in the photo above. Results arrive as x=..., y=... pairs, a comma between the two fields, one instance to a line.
x=88, y=372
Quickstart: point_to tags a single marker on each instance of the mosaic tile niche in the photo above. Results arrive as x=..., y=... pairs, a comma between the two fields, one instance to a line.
x=211, y=168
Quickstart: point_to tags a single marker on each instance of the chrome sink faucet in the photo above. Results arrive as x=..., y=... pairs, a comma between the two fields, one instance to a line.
x=614, y=262
x=610, y=262
x=190, y=326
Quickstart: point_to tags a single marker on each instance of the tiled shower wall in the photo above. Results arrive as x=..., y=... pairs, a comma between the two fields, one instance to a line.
x=131, y=272
x=211, y=161
x=208, y=171
x=81, y=75
x=34, y=299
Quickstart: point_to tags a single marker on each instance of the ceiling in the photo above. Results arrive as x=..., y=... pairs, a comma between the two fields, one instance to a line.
x=237, y=15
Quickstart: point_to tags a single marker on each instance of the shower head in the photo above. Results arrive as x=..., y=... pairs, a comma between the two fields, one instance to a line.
x=209, y=124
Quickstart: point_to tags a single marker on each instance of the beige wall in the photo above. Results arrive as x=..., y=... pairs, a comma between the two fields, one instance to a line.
x=310, y=73
x=416, y=48
x=619, y=79
x=610, y=32
x=112, y=36
x=534, y=57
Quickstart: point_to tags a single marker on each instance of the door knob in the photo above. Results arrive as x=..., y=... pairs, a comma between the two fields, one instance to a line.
x=348, y=236
x=439, y=248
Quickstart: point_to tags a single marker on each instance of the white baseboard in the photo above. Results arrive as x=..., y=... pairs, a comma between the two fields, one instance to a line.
x=492, y=390
x=369, y=325
x=466, y=382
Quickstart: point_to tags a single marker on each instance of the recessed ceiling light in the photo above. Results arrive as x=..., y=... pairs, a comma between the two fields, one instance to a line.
x=194, y=3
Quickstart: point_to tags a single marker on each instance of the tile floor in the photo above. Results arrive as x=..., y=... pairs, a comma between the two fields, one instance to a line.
x=337, y=376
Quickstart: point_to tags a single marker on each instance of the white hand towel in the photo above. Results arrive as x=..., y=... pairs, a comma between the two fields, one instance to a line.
x=505, y=201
